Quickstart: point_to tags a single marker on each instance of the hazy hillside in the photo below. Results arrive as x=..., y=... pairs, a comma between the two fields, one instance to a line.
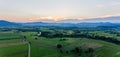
x=4, y=23
x=107, y=19
x=82, y=24
x=93, y=20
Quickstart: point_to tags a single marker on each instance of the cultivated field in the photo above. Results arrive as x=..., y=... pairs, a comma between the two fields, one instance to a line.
x=14, y=44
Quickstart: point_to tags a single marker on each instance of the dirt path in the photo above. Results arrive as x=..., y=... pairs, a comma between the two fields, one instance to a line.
x=28, y=49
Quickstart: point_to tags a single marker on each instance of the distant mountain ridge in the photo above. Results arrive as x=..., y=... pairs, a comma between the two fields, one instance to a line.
x=115, y=19
x=95, y=22
x=4, y=23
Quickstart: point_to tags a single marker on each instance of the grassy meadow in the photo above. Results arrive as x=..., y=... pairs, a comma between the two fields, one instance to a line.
x=47, y=46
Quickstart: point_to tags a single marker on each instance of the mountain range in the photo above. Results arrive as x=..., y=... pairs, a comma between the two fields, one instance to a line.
x=95, y=22
x=4, y=23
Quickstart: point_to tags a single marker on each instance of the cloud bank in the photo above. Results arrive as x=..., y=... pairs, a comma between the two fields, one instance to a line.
x=55, y=19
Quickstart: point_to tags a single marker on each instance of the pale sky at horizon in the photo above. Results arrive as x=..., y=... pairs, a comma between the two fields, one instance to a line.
x=40, y=10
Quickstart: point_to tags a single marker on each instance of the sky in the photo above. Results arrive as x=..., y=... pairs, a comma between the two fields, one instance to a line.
x=56, y=10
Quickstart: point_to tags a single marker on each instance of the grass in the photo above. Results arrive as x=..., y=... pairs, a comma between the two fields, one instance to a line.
x=19, y=50
x=10, y=41
x=46, y=47
x=9, y=35
x=103, y=49
x=14, y=51
x=37, y=51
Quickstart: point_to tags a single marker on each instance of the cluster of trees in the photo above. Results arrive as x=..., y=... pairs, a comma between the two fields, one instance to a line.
x=78, y=51
x=113, y=32
x=97, y=37
x=77, y=34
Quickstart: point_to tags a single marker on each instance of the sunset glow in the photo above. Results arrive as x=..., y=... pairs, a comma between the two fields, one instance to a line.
x=56, y=10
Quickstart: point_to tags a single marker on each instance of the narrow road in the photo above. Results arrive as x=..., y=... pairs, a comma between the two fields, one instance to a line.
x=28, y=49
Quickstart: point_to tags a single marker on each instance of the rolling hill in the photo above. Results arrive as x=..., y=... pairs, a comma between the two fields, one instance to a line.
x=4, y=23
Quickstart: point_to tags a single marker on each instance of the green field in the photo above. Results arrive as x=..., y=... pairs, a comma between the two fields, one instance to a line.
x=9, y=35
x=14, y=51
x=14, y=47
x=47, y=47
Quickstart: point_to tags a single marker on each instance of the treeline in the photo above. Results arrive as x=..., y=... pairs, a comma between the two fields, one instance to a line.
x=9, y=38
x=113, y=32
x=77, y=34
x=19, y=37
x=78, y=51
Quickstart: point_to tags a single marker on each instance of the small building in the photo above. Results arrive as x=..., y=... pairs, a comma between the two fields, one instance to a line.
x=39, y=34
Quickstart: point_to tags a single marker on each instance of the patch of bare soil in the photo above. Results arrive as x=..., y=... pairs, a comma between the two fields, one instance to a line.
x=92, y=45
x=12, y=44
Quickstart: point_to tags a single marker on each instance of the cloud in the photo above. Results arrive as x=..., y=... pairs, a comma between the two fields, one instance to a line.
x=48, y=18
x=55, y=19
x=13, y=18
x=100, y=6
x=115, y=3
x=110, y=4
x=106, y=16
